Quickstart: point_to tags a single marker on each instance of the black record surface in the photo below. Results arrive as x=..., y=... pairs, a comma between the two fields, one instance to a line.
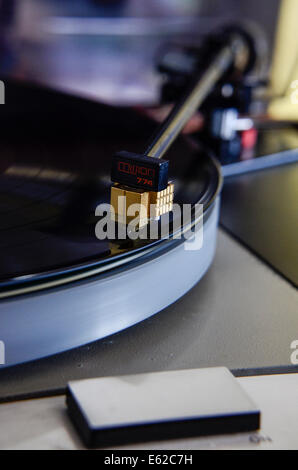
x=55, y=169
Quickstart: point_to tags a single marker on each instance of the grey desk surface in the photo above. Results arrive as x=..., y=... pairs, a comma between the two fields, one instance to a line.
x=44, y=424
x=242, y=315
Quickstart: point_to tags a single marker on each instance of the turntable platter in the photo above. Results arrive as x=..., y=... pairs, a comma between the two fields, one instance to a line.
x=54, y=171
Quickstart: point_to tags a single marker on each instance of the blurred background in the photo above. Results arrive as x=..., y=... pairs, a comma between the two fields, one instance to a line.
x=107, y=49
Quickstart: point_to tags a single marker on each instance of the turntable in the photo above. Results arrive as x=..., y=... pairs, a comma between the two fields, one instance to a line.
x=60, y=286
x=148, y=209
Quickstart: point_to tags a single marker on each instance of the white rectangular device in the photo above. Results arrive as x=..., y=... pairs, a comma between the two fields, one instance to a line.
x=111, y=411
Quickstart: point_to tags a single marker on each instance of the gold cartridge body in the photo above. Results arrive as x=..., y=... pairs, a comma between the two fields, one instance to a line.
x=127, y=202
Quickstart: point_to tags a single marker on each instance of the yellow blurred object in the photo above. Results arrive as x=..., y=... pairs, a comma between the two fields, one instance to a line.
x=284, y=78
